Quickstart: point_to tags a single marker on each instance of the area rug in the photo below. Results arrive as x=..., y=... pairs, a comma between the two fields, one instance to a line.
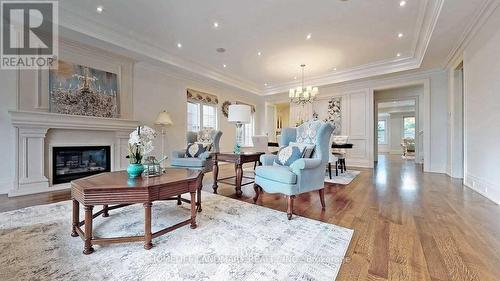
x=234, y=241
x=343, y=178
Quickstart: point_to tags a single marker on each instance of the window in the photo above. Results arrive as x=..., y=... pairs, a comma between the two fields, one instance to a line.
x=193, y=116
x=248, y=131
x=382, y=132
x=201, y=116
x=209, y=117
x=409, y=127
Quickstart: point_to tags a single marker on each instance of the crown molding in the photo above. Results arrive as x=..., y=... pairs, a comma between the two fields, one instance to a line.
x=478, y=20
x=430, y=11
x=141, y=50
x=130, y=45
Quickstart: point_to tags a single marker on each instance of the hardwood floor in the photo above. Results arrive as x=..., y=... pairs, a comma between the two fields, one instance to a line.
x=408, y=225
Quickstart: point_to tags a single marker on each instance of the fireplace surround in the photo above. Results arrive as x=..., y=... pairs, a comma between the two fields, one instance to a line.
x=37, y=133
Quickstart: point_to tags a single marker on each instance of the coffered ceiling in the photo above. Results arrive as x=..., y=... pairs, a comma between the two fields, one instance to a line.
x=265, y=41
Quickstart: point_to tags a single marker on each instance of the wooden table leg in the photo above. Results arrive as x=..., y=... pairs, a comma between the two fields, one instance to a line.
x=105, y=213
x=193, y=210
x=239, y=177
x=87, y=250
x=198, y=193
x=147, y=226
x=216, y=174
x=76, y=217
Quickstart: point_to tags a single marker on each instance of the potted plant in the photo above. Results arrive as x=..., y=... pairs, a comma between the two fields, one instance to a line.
x=140, y=144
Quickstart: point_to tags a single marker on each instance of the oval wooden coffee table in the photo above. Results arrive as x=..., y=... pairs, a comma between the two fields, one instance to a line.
x=115, y=190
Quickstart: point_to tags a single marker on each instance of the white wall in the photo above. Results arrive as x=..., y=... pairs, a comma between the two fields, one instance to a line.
x=435, y=84
x=145, y=91
x=157, y=88
x=8, y=101
x=482, y=109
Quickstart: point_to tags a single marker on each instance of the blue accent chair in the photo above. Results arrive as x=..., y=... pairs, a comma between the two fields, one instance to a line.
x=204, y=161
x=303, y=175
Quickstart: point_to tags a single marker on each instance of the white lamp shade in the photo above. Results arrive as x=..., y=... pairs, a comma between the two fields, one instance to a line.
x=163, y=119
x=239, y=113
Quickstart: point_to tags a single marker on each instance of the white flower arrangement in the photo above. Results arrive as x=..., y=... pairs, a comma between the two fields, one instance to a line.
x=140, y=143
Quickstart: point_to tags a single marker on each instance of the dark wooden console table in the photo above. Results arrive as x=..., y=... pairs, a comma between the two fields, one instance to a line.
x=114, y=190
x=238, y=160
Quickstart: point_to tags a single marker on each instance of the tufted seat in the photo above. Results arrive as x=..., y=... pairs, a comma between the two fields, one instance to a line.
x=276, y=173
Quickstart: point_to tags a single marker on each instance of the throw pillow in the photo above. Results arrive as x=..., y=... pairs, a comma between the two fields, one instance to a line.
x=195, y=149
x=306, y=148
x=287, y=155
x=205, y=136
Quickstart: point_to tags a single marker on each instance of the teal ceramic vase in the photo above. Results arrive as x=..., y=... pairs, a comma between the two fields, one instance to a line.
x=134, y=170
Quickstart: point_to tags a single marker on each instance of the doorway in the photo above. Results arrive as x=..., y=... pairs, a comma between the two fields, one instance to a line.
x=456, y=148
x=398, y=123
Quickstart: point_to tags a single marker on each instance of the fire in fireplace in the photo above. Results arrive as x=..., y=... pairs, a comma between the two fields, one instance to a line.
x=73, y=162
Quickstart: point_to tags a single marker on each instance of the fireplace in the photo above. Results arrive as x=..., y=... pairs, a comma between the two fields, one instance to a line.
x=73, y=162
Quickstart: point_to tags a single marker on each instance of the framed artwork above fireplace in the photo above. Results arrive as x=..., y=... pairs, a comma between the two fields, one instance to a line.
x=81, y=90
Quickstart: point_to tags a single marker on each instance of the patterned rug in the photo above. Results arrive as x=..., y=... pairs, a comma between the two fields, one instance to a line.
x=343, y=178
x=234, y=241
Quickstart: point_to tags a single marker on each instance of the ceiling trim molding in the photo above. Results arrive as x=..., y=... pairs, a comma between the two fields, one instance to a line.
x=146, y=51
x=430, y=10
x=478, y=20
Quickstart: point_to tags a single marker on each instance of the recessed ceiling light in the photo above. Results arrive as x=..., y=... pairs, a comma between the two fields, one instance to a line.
x=216, y=24
x=400, y=35
x=224, y=65
x=265, y=84
x=398, y=55
x=308, y=36
x=402, y=3
x=259, y=53
x=100, y=9
x=334, y=69
x=179, y=45
x=295, y=78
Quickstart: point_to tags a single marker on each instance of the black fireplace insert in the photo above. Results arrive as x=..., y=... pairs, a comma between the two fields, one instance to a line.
x=74, y=162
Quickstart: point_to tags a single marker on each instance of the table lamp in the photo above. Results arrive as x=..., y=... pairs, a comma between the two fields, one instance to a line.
x=239, y=114
x=163, y=120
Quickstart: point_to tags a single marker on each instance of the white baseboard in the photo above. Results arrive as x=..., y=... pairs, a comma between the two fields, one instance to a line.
x=6, y=185
x=485, y=188
x=396, y=152
x=33, y=190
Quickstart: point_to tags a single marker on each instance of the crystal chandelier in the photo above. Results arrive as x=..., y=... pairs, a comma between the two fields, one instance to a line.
x=303, y=95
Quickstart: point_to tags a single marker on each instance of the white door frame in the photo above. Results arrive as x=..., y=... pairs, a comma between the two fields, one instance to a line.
x=426, y=126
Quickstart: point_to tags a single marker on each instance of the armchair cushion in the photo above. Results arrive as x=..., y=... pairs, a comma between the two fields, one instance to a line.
x=277, y=173
x=188, y=162
x=287, y=155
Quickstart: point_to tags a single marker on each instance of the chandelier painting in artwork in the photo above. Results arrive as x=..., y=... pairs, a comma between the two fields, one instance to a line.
x=81, y=90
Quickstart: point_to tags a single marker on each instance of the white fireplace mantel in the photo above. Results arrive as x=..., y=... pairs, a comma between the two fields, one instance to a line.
x=32, y=128
x=28, y=119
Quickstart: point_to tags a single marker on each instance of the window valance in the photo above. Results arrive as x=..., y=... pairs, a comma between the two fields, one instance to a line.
x=197, y=96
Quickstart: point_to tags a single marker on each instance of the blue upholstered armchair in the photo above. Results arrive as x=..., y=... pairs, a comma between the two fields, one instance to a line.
x=204, y=161
x=303, y=175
